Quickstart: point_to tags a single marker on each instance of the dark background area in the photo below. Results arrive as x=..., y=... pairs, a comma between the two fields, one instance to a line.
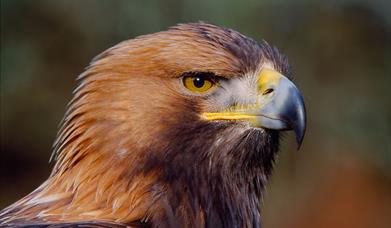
x=341, y=57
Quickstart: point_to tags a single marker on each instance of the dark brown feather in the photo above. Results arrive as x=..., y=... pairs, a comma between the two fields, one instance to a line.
x=131, y=149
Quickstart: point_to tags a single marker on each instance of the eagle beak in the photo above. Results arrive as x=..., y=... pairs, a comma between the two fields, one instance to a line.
x=282, y=105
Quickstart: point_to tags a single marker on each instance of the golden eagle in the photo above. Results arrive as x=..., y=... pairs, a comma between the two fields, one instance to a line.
x=175, y=129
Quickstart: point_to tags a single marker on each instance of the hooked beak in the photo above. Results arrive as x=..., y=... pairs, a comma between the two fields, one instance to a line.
x=284, y=107
x=280, y=106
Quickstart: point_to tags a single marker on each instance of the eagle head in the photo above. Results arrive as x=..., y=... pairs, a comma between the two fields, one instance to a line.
x=174, y=129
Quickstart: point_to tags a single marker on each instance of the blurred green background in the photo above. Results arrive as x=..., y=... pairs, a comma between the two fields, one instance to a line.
x=341, y=57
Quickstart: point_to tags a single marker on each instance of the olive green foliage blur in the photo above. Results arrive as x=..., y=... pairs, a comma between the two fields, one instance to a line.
x=340, y=52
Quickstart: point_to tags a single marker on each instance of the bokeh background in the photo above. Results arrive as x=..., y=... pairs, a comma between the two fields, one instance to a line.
x=341, y=57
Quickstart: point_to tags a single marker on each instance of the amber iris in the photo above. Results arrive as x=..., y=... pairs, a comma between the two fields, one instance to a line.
x=198, y=84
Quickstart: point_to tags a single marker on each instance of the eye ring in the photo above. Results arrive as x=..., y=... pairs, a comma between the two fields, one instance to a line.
x=199, y=82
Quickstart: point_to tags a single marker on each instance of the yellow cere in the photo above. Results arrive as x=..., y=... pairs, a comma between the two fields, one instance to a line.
x=198, y=84
x=268, y=77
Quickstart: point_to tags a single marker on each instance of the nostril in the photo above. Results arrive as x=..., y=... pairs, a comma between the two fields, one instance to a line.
x=270, y=90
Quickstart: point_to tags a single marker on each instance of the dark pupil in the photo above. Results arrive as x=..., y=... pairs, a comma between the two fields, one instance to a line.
x=198, y=82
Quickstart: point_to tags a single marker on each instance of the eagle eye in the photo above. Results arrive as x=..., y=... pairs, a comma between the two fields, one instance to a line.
x=199, y=82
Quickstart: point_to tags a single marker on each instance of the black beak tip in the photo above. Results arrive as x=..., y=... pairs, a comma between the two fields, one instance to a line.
x=299, y=130
x=300, y=120
x=299, y=141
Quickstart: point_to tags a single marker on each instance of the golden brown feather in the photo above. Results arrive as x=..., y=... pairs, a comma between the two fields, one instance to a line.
x=127, y=104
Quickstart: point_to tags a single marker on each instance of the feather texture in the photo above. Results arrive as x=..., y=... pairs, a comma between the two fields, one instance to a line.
x=133, y=151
